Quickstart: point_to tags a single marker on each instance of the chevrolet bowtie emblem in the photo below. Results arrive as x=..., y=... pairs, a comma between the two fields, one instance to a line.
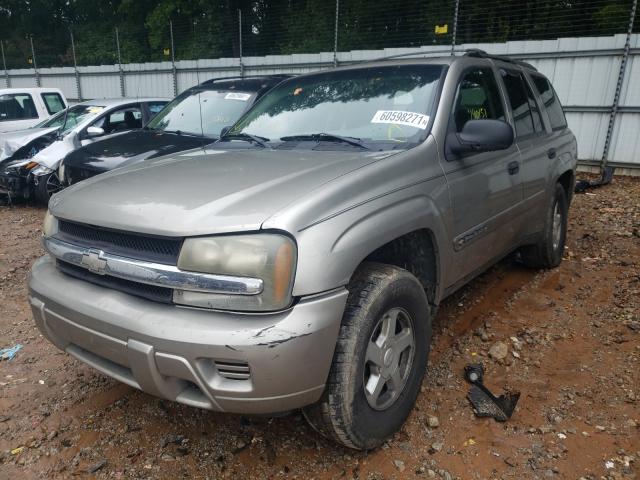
x=93, y=260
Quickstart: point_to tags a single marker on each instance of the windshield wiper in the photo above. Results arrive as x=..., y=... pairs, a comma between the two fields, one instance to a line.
x=248, y=137
x=328, y=137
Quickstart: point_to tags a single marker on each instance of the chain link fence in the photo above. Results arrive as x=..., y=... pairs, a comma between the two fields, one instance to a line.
x=276, y=28
x=584, y=45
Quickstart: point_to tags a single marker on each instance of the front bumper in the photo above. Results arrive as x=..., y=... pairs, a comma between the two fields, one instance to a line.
x=14, y=185
x=223, y=361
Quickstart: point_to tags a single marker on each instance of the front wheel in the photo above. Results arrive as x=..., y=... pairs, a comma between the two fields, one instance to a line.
x=47, y=185
x=379, y=361
x=547, y=253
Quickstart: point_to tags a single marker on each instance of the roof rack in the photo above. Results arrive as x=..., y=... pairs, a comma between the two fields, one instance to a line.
x=477, y=53
x=245, y=77
x=467, y=52
x=426, y=52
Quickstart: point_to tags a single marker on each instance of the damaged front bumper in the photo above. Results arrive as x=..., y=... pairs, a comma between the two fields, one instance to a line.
x=15, y=185
x=223, y=361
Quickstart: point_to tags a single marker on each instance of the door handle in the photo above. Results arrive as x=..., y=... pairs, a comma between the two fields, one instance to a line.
x=513, y=168
x=551, y=153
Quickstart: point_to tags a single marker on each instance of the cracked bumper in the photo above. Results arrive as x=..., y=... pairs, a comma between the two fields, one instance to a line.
x=231, y=362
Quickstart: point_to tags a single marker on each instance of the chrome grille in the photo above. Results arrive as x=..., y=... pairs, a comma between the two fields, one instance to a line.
x=142, y=247
x=150, y=292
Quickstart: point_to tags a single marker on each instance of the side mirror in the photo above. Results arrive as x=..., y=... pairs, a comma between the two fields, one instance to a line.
x=224, y=131
x=481, y=136
x=94, y=131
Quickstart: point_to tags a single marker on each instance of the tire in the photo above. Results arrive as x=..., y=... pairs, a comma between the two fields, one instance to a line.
x=47, y=186
x=345, y=413
x=547, y=253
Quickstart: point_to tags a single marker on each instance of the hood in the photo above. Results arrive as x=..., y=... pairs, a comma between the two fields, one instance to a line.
x=52, y=154
x=10, y=142
x=204, y=191
x=131, y=147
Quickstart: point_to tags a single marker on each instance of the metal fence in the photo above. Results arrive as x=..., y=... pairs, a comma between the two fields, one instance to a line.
x=596, y=76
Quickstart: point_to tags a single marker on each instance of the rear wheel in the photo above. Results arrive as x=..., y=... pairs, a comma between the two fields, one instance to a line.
x=547, y=253
x=47, y=186
x=379, y=360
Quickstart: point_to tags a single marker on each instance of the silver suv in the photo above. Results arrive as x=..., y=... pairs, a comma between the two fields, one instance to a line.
x=298, y=262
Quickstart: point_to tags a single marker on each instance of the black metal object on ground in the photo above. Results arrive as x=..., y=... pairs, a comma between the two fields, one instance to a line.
x=484, y=403
x=605, y=179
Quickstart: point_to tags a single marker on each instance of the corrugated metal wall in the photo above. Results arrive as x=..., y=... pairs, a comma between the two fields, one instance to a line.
x=583, y=70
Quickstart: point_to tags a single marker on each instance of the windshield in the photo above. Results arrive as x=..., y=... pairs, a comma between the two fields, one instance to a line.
x=76, y=115
x=390, y=104
x=202, y=112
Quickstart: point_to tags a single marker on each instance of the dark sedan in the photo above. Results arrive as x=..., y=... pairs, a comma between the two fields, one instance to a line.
x=193, y=119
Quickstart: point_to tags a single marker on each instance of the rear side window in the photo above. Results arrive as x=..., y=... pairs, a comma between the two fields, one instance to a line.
x=53, y=101
x=155, y=107
x=538, y=126
x=478, y=98
x=17, y=106
x=519, y=101
x=550, y=101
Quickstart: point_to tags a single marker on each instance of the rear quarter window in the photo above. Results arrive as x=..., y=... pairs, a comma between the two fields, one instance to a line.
x=550, y=101
x=53, y=101
x=156, y=107
x=519, y=101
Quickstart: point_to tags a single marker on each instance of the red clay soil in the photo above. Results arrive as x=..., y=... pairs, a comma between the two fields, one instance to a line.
x=572, y=342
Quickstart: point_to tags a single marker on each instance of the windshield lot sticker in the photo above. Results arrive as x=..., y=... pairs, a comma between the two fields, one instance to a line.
x=237, y=96
x=399, y=117
x=95, y=109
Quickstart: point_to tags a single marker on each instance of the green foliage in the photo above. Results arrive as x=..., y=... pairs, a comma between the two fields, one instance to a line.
x=210, y=28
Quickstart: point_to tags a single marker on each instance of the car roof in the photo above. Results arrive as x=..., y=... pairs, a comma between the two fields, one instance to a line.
x=114, y=102
x=29, y=90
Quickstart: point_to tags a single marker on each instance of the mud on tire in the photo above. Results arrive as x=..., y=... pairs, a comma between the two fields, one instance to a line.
x=346, y=413
x=547, y=253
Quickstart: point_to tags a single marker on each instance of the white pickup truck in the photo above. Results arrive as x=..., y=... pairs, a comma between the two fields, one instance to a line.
x=22, y=108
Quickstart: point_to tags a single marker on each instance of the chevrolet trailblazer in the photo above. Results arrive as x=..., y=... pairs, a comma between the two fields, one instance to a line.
x=298, y=262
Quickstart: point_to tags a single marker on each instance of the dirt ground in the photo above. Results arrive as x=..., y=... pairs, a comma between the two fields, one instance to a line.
x=572, y=341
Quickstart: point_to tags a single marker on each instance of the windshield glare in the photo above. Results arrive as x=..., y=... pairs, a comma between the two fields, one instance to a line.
x=76, y=115
x=384, y=104
x=217, y=109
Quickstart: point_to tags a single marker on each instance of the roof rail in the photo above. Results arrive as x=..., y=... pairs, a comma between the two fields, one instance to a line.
x=467, y=52
x=246, y=77
x=447, y=51
x=477, y=53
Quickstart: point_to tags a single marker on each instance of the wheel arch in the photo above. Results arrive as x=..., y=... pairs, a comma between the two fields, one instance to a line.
x=385, y=231
x=567, y=180
x=416, y=252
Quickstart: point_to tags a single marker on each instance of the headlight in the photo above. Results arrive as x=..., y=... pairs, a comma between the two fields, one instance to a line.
x=269, y=257
x=50, y=225
x=26, y=164
x=41, y=170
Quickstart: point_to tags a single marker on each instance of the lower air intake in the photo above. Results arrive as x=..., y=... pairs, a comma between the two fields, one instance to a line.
x=233, y=370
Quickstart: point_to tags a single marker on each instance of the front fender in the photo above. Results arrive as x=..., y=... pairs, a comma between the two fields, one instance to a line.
x=330, y=251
